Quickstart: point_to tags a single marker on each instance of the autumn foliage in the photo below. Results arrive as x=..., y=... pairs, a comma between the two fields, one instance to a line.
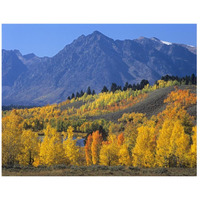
x=47, y=135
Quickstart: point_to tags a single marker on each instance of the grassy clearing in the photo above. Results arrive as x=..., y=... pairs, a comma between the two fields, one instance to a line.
x=63, y=170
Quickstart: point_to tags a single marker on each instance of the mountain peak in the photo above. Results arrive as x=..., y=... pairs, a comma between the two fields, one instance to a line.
x=155, y=39
x=17, y=52
x=142, y=38
x=97, y=33
x=29, y=56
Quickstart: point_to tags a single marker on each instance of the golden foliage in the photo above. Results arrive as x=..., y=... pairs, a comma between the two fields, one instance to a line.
x=144, y=151
x=11, y=138
x=95, y=147
x=124, y=156
x=109, y=152
x=29, y=148
x=88, y=152
x=51, y=150
x=71, y=150
x=167, y=139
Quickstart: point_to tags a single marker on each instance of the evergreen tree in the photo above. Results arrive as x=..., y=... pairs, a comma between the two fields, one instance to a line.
x=72, y=96
x=77, y=94
x=105, y=89
x=93, y=92
x=113, y=87
x=82, y=93
x=126, y=86
x=143, y=83
x=129, y=86
x=187, y=78
x=119, y=88
x=134, y=87
x=194, y=79
x=138, y=86
x=89, y=91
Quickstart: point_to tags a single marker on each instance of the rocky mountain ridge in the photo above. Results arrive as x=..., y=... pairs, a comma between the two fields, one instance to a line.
x=94, y=60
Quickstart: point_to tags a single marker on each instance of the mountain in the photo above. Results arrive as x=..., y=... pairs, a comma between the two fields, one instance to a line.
x=94, y=60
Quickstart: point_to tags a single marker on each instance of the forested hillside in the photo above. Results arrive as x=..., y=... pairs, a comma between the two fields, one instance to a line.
x=151, y=127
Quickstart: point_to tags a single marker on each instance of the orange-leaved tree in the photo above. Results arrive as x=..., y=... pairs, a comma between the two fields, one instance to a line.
x=96, y=146
x=88, y=152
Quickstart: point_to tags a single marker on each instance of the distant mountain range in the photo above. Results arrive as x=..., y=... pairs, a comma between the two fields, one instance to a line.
x=94, y=60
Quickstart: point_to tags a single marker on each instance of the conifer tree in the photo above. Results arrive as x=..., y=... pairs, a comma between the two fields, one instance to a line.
x=105, y=89
x=113, y=87
x=89, y=91
x=77, y=94
x=72, y=96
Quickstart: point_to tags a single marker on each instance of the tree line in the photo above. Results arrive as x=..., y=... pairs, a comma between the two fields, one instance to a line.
x=186, y=80
x=113, y=88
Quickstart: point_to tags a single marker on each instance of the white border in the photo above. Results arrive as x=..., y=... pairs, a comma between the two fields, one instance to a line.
x=104, y=11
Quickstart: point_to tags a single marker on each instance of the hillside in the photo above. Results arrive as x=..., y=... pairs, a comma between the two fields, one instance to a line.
x=94, y=60
x=149, y=131
x=152, y=105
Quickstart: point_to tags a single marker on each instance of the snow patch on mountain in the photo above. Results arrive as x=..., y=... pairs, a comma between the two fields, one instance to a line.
x=190, y=45
x=165, y=42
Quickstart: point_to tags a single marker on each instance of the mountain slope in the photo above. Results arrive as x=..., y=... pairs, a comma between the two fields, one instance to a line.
x=94, y=60
x=152, y=105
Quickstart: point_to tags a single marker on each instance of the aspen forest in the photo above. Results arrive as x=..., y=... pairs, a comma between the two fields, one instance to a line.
x=76, y=133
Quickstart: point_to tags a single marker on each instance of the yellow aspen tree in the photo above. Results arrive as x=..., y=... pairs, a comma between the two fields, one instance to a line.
x=11, y=137
x=71, y=150
x=193, y=151
x=96, y=146
x=109, y=152
x=179, y=143
x=163, y=144
x=82, y=157
x=144, y=151
x=161, y=83
x=124, y=156
x=29, y=147
x=51, y=150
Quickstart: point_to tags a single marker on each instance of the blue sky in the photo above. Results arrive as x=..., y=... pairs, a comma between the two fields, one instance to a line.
x=49, y=39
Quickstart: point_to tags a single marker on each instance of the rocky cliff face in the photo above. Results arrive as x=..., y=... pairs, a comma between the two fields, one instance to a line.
x=94, y=60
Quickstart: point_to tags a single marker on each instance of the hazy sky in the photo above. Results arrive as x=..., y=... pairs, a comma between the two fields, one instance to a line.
x=49, y=39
